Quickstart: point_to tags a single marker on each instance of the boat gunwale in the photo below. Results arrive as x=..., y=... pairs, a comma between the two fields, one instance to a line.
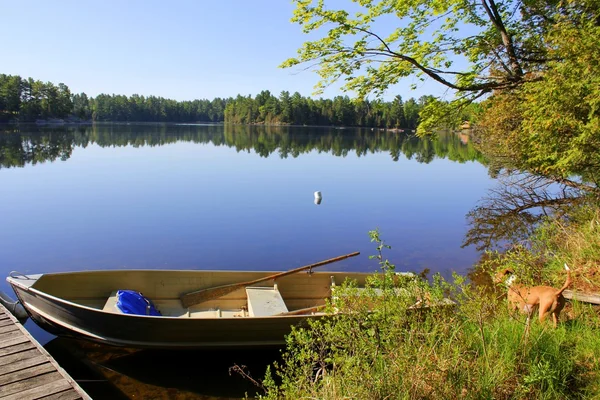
x=87, y=271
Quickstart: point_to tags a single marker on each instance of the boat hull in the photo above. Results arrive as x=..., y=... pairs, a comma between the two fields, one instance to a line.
x=64, y=317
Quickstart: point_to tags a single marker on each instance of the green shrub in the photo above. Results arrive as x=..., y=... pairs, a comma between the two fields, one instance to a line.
x=394, y=340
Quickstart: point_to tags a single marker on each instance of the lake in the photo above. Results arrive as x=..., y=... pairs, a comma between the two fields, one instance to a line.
x=232, y=197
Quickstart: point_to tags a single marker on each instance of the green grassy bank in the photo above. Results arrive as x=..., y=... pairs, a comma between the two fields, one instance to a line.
x=382, y=347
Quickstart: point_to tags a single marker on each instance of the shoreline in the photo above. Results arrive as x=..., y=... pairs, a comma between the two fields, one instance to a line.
x=60, y=123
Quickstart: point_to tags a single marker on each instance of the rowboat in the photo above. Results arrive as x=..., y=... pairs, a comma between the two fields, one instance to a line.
x=83, y=304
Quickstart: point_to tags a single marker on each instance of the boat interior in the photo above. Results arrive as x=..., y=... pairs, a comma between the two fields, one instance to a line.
x=297, y=294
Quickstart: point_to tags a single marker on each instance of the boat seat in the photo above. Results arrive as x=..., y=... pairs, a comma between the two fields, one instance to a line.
x=265, y=301
x=111, y=304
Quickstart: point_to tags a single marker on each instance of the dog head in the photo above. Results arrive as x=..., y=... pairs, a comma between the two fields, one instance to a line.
x=505, y=276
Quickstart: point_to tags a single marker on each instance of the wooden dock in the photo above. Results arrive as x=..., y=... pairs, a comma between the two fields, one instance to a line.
x=27, y=371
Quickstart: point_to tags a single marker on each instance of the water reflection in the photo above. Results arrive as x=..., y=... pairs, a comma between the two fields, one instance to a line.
x=511, y=211
x=30, y=144
x=121, y=373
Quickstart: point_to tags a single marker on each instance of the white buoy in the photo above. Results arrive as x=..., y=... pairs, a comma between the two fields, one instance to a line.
x=318, y=198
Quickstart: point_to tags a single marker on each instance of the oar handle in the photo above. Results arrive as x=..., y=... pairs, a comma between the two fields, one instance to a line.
x=302, y=310
x=293, y=271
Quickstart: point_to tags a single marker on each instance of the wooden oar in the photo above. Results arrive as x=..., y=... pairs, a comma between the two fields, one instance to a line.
x=199, y=296
x=302, y=310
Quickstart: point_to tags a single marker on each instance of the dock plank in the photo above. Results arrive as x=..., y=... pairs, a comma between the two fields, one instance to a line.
x=27, y=373
x=12, y=341
x=66, y=395
x=8, y=328
x=16, y=348
x=33, y=393
x=27, y=370
x=21, y=364
x=10, y=335
x=32, y=382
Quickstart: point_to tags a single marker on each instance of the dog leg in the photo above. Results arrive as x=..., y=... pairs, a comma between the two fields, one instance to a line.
x=546, y=308
x=527, y=325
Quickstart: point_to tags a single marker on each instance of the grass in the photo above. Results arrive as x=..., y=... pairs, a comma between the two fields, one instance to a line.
x=380, y=348
x=470, y=352
x=577, y=242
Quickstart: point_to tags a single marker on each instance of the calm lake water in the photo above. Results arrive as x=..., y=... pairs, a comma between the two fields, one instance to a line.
x=231, y=197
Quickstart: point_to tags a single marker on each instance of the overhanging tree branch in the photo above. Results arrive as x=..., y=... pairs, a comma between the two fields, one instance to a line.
x=431, y=72
x=492, y=11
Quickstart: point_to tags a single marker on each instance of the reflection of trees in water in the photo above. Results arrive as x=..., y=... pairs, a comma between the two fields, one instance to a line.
x=291, y=141
x=20, y=146
x=17, y=150
x=512, y=210
x=507, y=217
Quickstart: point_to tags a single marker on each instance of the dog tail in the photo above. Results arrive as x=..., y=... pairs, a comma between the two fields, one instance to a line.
x=567, y=282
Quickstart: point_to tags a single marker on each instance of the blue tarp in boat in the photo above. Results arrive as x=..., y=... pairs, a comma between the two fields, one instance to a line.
x=132, y=302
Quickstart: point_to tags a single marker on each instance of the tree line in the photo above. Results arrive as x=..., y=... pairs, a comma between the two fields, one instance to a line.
x=28, y=100
x=295, y=109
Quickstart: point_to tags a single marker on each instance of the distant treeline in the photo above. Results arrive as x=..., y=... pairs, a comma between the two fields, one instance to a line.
x=32, y=145
x=120, y=108
x=341, y=111
x=28, y=100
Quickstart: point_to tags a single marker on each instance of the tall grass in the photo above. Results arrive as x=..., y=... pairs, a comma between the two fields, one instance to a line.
x=395, y=340
x=576, y=241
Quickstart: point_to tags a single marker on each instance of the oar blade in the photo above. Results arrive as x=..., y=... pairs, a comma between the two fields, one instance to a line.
x=203, y=295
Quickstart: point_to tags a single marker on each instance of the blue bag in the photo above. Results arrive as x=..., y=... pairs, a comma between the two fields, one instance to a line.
x=132, y=302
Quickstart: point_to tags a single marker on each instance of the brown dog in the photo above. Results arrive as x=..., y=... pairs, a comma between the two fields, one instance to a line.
x=546, y=298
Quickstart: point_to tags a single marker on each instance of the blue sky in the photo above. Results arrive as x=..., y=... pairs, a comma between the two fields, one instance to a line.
x=175, y=49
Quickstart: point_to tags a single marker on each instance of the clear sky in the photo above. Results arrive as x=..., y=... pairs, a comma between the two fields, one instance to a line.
x=182, y=50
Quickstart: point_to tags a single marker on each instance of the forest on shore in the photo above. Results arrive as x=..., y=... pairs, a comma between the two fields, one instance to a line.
x=30, y=100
